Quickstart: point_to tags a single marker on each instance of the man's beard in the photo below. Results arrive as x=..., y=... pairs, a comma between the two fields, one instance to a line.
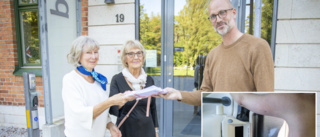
x=226, y=28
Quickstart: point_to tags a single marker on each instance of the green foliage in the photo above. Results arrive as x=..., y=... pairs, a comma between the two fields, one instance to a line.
x=192, y=30
x=31, y=36
x=150, y=32
x=176, y=71
x=266, y=20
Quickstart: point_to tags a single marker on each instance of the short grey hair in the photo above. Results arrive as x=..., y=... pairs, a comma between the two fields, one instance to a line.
x=131, y=44
x=78, y=44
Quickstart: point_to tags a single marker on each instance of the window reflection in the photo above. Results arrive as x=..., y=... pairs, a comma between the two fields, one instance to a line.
x=150, y=35
x=266, y=18
x=30, y=37
x=27, y=1
x=193, y=34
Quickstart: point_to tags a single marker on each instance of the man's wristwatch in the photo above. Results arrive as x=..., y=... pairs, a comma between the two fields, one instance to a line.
x=157, y=130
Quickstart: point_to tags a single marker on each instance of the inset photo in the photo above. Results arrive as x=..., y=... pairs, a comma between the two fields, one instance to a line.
x=258, y=114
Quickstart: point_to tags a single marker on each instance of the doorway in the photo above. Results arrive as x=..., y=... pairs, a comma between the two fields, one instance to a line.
x=175, y=34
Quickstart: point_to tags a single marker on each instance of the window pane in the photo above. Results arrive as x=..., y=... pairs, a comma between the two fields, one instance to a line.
x=194, y=37
x=150, y=35
x=27, y=1
x=30, y=38
x=150, y=38
x=266, y=19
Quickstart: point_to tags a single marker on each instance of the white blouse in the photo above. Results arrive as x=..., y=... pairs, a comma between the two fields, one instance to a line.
x=79, y=97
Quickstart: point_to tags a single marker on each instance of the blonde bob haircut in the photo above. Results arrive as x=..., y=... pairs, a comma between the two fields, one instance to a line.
x=131, y=44
x=77, y=49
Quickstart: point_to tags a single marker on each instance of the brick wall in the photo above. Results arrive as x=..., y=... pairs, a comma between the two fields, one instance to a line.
x=84, y=15
x=11, y=86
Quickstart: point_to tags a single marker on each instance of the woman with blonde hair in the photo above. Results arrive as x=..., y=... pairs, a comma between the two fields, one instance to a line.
x=133, y=78
x=86, y=101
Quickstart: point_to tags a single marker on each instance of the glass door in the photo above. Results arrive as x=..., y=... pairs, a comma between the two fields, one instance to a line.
x=175, y=34
x=150, y=38
x=194, y=37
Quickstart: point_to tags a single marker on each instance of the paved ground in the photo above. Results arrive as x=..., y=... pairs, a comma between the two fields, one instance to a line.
x=13, y=132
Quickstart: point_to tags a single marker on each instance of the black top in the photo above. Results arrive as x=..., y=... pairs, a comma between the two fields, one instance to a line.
x=137, y=124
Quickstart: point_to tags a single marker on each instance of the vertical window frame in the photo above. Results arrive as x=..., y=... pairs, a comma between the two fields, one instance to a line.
x=20, y=68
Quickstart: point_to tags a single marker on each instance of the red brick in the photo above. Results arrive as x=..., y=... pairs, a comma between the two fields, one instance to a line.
x=14, y=91
x=14, y=96
x=3, y=91
x=82, y=14
x=7, y=84
x=9, y=96
x=8, y=99
x=19, y=100
x=40, y=88
x=9, y=63
x=6, y=6
x=8, y=2
x=10, y=42
x=18, y=84
x=5, y=20
x=11, y=87
x=84, y=19
x=2, y=29
x=3, y=75
x=20, y=96
x=10, y=59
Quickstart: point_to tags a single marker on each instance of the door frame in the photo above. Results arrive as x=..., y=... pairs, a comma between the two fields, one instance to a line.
x=167, y=52
x=167, y=35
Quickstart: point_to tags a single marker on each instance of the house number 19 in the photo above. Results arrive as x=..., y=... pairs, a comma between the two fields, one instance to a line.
x=120, y=18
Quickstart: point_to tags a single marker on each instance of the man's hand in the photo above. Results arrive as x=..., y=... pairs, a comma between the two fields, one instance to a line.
x=114, y=131
x=172, y=94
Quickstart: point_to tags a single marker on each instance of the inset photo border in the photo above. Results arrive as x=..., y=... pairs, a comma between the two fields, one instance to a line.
x=258, y=114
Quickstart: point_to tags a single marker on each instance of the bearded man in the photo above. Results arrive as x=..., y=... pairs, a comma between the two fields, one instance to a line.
x=241, y=62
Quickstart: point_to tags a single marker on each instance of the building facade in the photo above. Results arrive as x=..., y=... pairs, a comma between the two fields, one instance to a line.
x=296, y=55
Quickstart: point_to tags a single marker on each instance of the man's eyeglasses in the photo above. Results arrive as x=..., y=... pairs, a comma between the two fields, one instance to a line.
x=132, y=54
x=221, y=14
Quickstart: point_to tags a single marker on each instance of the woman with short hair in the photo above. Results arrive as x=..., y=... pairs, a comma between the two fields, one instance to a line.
x=133, y=77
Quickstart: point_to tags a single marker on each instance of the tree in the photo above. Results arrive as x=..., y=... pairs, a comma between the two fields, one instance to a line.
x=150, y=32
x=266, y=20
x=194, y=32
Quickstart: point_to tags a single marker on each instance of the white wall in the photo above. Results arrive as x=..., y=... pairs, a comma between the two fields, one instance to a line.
x=16, y=116
x=297, y=55
x=103, y=27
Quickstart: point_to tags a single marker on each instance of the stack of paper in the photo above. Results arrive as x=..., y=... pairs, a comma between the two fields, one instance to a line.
x=149, y=91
